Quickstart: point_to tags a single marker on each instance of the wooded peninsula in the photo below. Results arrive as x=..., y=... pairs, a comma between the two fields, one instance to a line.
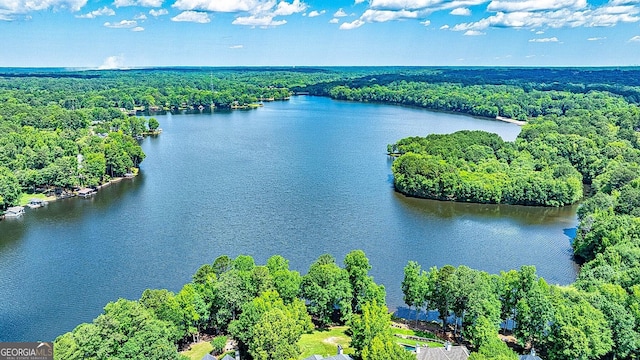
x=61, y=130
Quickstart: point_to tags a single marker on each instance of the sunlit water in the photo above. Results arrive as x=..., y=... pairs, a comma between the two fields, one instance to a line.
x=298, y=178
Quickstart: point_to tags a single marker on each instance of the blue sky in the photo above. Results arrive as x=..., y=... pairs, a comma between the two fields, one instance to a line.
x=136, y=33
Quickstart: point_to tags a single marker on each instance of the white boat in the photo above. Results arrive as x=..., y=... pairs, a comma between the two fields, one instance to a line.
x=14, y=212
x=36, y=203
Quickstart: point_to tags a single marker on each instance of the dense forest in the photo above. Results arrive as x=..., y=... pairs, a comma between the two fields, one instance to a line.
x=60, y=130
x=266, y=308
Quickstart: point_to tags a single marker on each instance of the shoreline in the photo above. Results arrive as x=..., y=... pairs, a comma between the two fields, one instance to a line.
x=73, y=194
x=511, y=121
x=497, y=118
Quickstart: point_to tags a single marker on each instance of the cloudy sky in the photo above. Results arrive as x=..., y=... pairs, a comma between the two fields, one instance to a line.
x=135, y=33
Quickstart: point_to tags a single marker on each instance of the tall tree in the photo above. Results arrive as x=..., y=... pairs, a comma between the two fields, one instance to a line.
x=326, y=287
x=363, y=288
x=371, y=335
x=412, y=287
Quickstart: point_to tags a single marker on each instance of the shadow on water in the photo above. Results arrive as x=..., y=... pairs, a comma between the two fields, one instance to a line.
x=528, y=215
x=13, y=230
x=571, y=233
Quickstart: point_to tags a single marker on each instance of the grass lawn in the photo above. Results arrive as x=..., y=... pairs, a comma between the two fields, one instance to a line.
x=198, y=350
x=414, y=333
x=325, y=342
x=24, y=198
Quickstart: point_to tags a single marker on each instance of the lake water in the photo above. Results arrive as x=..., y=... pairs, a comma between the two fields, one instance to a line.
x=298, y=178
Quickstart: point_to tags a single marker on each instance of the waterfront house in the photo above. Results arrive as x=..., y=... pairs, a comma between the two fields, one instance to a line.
x=86, y=192
x=36, y=203
x=531, y=356
x=448, y=352
x=339, y=356
x=14, y=211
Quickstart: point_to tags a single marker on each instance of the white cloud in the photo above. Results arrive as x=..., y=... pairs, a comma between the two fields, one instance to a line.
x=544, y=40
x=554, y=14
x=140, y=17
x=340, y=13
x=623, y=2
x=262, y=21
x=596, y=38
x=11, y=9
x=540, y=32
x=334, y=21
x=217, y=5
x=473, y=33
x=444, y=27
x=284, y=8
x=124, y=24
x=635, y=38
x=535, y=5
x=159, y=12
x=385, y=15
x=525, y=14
x=112, y=62
x=352, y=25
x=138, y=29
x=604, y=16
x=315, y=13
x=192, y=16
x=236, y=46
x=252, y=12
x=425, y=5
x=425, y=23
x=105, y=11
x=143, y=3
x=461, y=11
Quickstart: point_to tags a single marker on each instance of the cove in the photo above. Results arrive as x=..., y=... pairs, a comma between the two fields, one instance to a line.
x=298, y=178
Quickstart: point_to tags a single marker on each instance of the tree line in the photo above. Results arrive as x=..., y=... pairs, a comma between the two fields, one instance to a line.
x=551, y=159
x=561, y=322
x=265, y=308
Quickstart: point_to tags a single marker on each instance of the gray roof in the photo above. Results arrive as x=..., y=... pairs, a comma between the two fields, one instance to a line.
x=530, y=357
x=228, y=357
x=209, y=357
x=335, y=357
x=339, y=357
x=439, y=353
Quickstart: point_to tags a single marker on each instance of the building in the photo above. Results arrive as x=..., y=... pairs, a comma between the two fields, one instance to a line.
x=14, y=211
x=339, y=356
x=448, y=352
x=86, y=192
x=531, y=356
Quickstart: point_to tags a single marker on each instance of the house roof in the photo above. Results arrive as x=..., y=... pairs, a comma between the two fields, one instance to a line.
x=439, y=353
x=339, y=357
x=335, y=357
x=209, y=357
x=228, y=357
x=530, y=357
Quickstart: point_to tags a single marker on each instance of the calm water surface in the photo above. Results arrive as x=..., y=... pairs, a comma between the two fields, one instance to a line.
x=298, y=178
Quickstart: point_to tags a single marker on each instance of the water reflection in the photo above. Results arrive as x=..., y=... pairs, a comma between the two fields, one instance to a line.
x=527, y=215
